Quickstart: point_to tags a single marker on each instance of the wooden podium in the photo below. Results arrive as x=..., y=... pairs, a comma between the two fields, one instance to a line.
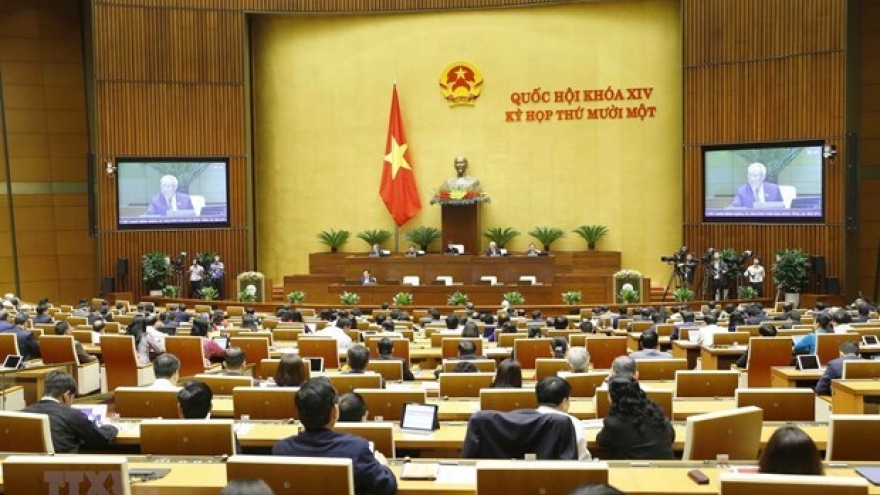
x=460, y=224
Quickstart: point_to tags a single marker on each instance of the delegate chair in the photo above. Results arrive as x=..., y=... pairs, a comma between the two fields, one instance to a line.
x=255, y=349
x=865, y=369
x=853, y=437
x=640, y=326
x=264, y=402
x=527, y=351
x=29, y=474
x=348, y=382
x=464, y=384
x=752, y=330
x=235, y=311
x=483, y=365
x=295, y=475
x=709, y=383
x=515, y=434
x=59, y=349
x=660, y=369
x=381, y=434
x=121, y=368
x=507, y=339
x=25, y=432
x=388, y=404
x=531, y=477
x=780, y=404
x=188, y=437
x=789, y=484
x=134, y=402
x=82, y=336
x=9, y=345
x=603, y=351
x=223, y=384
x=828, y=345
x=507, y=399
x=449, y=346
x=191, y=354
x=584, y=384
x=390, y=370
x=321, y=347
x=735, y=432
x=286, y=334
x=545, y=367
x=731, y=338
x=270, y=367
x=662, y=398
x=400, y=349
x=765, y=353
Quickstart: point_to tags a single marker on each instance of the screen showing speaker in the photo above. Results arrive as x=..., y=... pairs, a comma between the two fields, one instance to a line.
x=172, y=192
x=764, y=182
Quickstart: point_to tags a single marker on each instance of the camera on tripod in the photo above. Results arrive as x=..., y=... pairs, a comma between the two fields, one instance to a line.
x=675, y=257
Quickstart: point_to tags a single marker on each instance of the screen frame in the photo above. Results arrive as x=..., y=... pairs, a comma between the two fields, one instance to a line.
x=764, y=145
x=121, y=160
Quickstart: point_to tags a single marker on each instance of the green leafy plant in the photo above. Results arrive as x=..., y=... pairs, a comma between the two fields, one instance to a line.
x=747, y=292
x=683, y=294
x=501, y=235
x=245, y=296
x=547, y=235
x=572, y=297
x=171, y=291
x=514, y=298
x=208, y=293
x=628, y=295
x=457, y=298
x=296, y=297
x=791, y=270
x=349, y=298
x=591, y=234
x=423, y=236
x=155, y=266
x=372, y=237
x=334, y=238
x=403, y=298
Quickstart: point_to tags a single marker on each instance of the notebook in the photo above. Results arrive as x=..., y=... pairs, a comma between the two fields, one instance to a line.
x=13, y=362
x=808, y=362
x=420, y=418
x=95, y=412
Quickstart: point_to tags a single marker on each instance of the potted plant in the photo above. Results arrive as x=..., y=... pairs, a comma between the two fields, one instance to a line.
x=247, y=296
x=591, y=234
x=403, y=299
x=547, y=235
x=790, y=272
x=334, y=238
x=154, y=270
x=457, y=298
x=501, y=235
x=252, y=281
x=747, y=292
x=349, y=298
x=514, y=298
x=373, y=237
x=683, y=294
x=572, y=297
x=208, y=293
x=296, y=297
x=423, y=236
x=171, y=291
x=628, y=295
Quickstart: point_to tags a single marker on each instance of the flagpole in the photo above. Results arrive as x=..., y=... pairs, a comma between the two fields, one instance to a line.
x=396, y=238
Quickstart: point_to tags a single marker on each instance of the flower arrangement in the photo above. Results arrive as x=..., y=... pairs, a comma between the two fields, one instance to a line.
x=572, y=297
x=460, y=195
x=349, y=298
x=627, y=294
x=457, y=298
x=514, y=298
x=627, y=274
x=296, y=297
x=247, y=296
x=251, y=277
x=403, y=298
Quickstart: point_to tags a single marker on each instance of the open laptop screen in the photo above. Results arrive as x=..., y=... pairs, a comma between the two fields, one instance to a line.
x=808, y=362
x=423, y=417
x=316, y=364
x=13, y=361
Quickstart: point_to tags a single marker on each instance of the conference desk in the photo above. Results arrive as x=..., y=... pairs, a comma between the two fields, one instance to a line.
x=466, y=269
x=791, y=377
x=721, y=358
x=685, y=349
x=848, y=396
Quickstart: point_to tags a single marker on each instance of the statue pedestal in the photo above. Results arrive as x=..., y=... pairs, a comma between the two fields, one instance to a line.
x=460, y=224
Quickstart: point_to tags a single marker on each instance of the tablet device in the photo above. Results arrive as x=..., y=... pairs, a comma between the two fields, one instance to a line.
x=870, y=340
x=420, y=417
x=95, y=412
x=222, y=341
x=808, y=362
x=316, y=364
x=13, y=362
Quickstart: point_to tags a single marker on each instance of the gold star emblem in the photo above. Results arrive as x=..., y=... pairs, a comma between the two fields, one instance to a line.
x=396, y=158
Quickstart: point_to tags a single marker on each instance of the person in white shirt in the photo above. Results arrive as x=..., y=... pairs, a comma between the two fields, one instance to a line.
x=842, y=321
x=554, y=394
x=340, y=332
x=755, y=274
x=167, y=370
x=707, y=332
x=196, y=274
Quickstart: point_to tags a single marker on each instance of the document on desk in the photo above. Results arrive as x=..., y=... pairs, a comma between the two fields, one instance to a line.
x=453, y=474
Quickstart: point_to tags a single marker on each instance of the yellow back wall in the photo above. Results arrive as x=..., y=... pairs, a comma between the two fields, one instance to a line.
x=322, y=90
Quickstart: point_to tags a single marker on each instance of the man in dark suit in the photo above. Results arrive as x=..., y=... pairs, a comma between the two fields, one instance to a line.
x=386, y=346
x=234, y=362
x=493, y=249
x=41, y=316
x=358, y=359
x=194, y=401
x=169, y=199
x=834, y=368
x=756, y=191
x=27, y=343
x=367, y=278
x=4, y=320
x=63, y=328
x=70, y=428
x=316, y=401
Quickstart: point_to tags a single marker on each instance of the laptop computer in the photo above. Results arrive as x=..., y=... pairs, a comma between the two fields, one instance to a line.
x=316, y=364
x=420, y=418
x=808, y=362
x=870, y=340
x=95, y=412
x=222, y=341
x=13, y=362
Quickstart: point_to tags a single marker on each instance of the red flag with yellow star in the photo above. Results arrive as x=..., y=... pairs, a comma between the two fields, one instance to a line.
x=398, y=188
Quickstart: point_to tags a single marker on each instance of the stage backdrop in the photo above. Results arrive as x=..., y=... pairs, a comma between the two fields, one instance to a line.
x=322, y=90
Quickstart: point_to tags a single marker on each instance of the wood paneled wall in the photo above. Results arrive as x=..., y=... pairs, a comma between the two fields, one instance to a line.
x=765, y=70
x=869, y=149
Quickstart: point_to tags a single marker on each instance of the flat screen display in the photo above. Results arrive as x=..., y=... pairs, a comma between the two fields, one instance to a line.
x=768, y=182
x=172, y=192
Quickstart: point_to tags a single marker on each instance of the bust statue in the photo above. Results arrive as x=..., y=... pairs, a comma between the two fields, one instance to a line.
x=461, y=181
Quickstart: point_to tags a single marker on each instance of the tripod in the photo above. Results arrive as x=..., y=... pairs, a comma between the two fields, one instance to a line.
x=706, y=282
x=675, y=277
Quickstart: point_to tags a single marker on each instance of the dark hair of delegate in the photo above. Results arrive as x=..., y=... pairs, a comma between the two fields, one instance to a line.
x=630, y=403
x=385, y=346
x=358, y=357
x=137, y=327
x=195, y=400
x=352, y=407
x=465, y=367
x=291, y=371
x=200, y=327
x=559, y=346
x=593, y=489
x=508, y=375
x=790, y=451
x=315, y=400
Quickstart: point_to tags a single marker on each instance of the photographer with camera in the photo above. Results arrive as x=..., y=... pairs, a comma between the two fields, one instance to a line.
x=683, y=269
x=718, y=276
